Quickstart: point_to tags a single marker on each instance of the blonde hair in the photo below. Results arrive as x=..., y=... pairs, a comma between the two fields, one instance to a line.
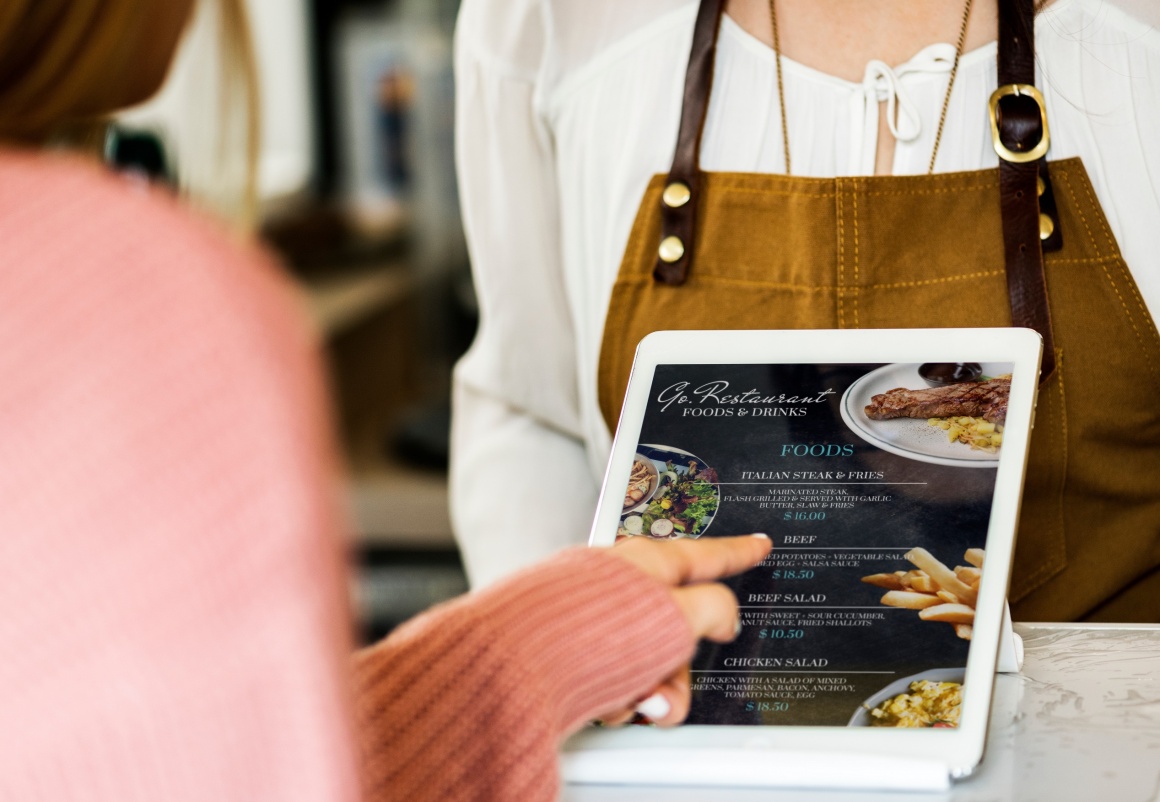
x=239, y=61
x=64, y=66
x=60, y=61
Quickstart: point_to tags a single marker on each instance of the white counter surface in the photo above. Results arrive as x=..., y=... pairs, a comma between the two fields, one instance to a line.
x=1082, y=722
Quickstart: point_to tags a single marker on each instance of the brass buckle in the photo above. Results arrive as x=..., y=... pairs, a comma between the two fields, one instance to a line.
x=1005, y=152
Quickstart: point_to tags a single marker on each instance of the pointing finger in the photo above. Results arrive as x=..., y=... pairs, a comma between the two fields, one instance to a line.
x=685, y=561
x=710, y=609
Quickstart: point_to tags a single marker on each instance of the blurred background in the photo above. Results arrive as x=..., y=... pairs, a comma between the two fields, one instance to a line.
x=357, y=195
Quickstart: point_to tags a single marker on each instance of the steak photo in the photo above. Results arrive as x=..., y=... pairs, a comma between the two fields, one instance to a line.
x=986, y=400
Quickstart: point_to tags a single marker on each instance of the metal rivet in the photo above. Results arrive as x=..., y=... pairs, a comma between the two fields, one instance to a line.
x=676, y=194
x=1046, y=226
x=671, y=249
x=1040, y=187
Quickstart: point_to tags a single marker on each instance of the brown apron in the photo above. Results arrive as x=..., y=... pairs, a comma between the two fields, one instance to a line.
x=781, y=252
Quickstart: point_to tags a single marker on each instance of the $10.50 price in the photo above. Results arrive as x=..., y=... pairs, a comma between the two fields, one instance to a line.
x=782, y=634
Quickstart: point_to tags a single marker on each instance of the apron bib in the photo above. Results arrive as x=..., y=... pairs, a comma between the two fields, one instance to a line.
x=783, y=252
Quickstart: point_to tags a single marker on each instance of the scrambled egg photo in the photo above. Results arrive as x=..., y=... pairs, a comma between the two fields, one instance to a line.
x=979, y=434
x=928, y=704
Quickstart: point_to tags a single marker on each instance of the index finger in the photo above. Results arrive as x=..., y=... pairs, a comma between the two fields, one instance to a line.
x=684, y=561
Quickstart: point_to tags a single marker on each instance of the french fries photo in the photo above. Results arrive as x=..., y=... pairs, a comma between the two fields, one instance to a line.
x=944, y=577
x=950, y=613
x=937, y=592
x=888, y=581
x=910, y=599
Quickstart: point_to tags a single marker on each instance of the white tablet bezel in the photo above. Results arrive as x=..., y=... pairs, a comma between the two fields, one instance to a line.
x=960, y=750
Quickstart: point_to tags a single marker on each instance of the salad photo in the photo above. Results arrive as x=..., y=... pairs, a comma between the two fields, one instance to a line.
x=670, y=494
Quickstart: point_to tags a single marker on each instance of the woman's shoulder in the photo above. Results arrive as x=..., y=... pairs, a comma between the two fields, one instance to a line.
x=69, y=221
x=1101, y=58
x=62, y=201
x=551, y=40
x=100, y=269
x=506, y=35
x=1092, y=27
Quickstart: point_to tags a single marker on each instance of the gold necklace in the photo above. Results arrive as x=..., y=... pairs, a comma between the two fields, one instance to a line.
x=942, y=118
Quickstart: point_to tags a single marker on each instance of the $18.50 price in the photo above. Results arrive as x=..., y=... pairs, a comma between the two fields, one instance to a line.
x=786, y=574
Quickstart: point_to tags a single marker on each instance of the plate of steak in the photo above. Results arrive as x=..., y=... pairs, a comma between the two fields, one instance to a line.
x=890, y=408
x=982, y=399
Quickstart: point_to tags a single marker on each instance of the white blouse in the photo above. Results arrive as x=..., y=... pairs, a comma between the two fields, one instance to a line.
x=566, y=108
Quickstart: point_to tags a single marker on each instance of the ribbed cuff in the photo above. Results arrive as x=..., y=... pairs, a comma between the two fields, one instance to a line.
x=470, y=700
x=599, y=633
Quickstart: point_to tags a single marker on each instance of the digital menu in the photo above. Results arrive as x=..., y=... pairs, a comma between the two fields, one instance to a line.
x=875, y=484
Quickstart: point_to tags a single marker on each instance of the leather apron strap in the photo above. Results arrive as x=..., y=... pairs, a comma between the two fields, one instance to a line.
x=1019, y=128
x=679, y=200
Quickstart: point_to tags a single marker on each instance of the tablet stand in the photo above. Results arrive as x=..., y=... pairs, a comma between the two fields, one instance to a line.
x=1010, y=646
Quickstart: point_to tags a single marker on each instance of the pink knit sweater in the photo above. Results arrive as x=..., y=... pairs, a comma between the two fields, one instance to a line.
x=173, y=622
x=470, y=701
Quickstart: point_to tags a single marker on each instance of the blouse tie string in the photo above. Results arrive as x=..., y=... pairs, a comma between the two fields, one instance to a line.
x=882, y=83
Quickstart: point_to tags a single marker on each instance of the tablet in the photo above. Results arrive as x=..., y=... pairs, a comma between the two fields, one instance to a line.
x=887, y=467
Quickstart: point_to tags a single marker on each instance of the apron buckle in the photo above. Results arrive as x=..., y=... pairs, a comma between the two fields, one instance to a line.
x=1019, y=125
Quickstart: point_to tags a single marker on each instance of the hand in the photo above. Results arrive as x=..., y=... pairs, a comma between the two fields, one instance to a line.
x=690, y=567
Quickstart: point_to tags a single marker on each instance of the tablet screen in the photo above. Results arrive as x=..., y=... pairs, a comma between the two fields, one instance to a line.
x=875, y=483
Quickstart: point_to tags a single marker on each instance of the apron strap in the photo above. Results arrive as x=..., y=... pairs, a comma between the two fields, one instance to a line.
x=1020, y=136
x=679, y=200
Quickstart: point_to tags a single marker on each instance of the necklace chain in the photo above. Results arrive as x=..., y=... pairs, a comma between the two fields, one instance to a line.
x=780, y=85
x=942, y=118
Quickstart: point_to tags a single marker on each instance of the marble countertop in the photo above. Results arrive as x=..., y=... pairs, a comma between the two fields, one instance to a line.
x=1081, y=722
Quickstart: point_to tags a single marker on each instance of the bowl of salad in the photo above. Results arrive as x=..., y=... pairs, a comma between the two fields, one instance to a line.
x=684, y=502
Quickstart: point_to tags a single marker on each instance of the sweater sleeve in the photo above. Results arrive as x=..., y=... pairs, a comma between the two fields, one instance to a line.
x=471, y=700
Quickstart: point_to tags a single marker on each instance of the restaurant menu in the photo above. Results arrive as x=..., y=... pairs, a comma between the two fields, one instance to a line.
x=875, y=484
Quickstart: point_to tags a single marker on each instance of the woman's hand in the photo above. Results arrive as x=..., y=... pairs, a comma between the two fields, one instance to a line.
x=690, y=568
